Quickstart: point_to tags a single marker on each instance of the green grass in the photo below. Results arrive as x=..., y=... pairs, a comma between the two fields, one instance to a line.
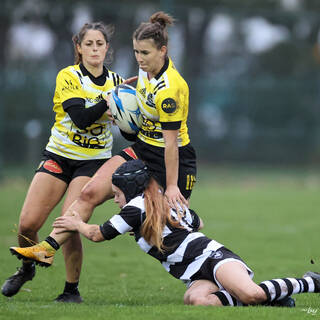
x=269, y=216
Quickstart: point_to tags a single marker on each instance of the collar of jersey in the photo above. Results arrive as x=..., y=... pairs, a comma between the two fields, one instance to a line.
x=96, y=80
x=163, y=69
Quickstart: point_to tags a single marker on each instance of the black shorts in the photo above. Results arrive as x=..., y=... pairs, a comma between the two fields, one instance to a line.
x=208, y=269
x=67, y=169
x=154, y=158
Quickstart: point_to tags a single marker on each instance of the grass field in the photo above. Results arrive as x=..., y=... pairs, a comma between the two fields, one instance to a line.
x=270, y=217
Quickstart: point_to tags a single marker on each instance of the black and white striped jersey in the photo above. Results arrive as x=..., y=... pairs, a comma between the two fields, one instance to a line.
x=185, y=249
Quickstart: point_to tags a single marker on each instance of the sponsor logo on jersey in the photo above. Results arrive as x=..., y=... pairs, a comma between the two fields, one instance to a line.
x=169, y=105
x=96, y=99
x=90, y=138
x=69, y=85
x=143, y=92
x=52, y=166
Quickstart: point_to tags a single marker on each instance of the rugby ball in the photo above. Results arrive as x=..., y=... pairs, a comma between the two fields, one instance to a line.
x=124, y=108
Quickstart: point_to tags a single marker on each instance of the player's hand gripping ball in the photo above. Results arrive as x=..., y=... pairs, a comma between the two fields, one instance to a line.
x=124, y=108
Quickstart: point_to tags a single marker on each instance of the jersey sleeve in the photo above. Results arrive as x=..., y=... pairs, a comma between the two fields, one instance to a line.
x=170, y=104
x=116, y=78
x=195, y=220
x=69, y=88
x=129, y=218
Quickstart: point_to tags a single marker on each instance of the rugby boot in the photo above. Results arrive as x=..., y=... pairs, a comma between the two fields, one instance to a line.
x=285, y=302
x=68, y=297
x=41, y=253
x=13, y=284
x=315, y=277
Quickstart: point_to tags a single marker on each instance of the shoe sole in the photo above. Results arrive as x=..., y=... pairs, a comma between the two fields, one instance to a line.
x=19, y=256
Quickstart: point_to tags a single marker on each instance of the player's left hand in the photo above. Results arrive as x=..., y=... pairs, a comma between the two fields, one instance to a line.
x=67, y=222
x=175, y=199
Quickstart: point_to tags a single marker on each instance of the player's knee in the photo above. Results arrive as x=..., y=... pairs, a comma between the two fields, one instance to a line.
x=28, y=228
x=193, y=299
x=252, y=297
x=89, y=195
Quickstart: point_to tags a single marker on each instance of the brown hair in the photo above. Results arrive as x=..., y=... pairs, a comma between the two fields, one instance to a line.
x=155, y=29
x=157, y=215
x=106, y=30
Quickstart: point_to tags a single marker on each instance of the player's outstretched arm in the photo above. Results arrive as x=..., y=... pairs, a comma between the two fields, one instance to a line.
x=74, y=223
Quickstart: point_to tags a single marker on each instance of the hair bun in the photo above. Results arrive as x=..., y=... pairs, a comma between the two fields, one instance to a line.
x=163, y=19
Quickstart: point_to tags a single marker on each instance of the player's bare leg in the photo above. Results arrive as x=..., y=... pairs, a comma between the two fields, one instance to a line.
x=72, y=248
x=95, y=192
x=44, y=193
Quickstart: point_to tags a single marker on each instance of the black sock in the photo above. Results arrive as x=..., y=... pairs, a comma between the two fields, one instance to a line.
x=53, y=243
x=28, y=265
x=71, y=287
x=227, y=299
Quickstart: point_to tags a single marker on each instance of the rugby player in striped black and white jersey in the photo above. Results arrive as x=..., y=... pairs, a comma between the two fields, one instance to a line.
x=214, y=275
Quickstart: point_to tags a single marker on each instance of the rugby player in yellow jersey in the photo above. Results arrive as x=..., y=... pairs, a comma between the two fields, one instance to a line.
x=79, y=144
x=163, y=142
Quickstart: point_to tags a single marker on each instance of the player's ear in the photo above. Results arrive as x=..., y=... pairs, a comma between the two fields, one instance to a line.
x=164, y=51
x=79, y=48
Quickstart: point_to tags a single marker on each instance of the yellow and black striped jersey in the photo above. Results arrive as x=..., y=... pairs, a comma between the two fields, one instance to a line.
x=164, y=104
x=67, y=140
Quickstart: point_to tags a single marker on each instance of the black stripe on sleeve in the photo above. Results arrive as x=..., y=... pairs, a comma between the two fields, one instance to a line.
x=195, y=220
x=171, y=125
x=132, y=216
x=114, y=80
x=108, y=231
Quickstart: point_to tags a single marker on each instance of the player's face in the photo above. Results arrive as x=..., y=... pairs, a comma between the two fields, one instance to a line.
x=119, y=197
x=93, y=48
x=149, y=57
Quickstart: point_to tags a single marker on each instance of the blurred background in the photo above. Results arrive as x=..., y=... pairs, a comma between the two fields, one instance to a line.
x=252, y=67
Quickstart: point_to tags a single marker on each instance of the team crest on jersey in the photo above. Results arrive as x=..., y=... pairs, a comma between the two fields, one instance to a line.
x=150, y=102
x=216, y=254
x=169, y=105
x=52, y=166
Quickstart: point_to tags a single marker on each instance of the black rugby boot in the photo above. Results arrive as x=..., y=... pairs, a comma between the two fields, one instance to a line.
x=68, y=297
x=13, y=284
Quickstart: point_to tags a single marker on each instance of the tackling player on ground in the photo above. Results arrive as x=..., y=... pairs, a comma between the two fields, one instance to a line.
x=213, y=274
